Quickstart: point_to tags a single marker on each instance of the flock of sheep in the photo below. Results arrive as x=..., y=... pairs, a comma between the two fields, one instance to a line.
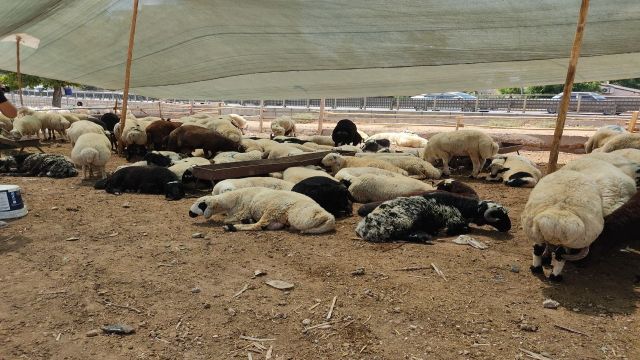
x=398, y=204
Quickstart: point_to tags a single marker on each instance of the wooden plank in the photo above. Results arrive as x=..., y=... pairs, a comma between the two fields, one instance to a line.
x=568, y=85
x=632, y=122
x=256, y=167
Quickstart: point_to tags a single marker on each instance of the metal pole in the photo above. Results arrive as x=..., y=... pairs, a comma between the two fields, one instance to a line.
x=566, y=95
x=321, y=116
x=127, y=71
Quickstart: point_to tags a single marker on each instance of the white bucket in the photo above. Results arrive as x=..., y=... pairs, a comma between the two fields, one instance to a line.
x=11, y=205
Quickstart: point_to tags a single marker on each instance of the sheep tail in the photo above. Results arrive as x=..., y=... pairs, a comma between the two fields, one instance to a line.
x=89, y=155
x=558, y=227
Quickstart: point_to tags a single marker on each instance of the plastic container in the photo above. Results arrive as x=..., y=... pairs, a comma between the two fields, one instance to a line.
x=11, y=205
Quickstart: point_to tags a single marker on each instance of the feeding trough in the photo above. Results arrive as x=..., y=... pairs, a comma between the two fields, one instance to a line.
x=9, y=144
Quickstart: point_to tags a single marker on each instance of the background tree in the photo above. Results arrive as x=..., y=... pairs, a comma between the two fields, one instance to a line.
x=29, y=81
x=632, y=83
x=593, y=86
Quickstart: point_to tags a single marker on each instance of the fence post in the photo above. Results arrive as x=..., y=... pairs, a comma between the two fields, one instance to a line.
x=364, y=104
x=321, y=116
x=261, y=118
x=284, y=103
x=397, y=103
x=308, y=103
x=434, y=104
x=632, y=122
x=219, y=108
x=524, y=104
x=160, y=108
x=459, y=121
x=579, y=103
x=477, y=103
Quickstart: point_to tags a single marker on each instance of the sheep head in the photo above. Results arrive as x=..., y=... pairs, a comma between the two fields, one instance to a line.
x=497, y=166
x=174, y=190
x=493, y=214
x=333, y=161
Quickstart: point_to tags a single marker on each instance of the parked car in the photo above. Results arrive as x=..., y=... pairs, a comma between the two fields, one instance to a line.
x=454, y=95
x=585, y=96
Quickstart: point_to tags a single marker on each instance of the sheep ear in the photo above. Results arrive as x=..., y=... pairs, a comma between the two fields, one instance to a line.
x=202, y=206
x=503, y=170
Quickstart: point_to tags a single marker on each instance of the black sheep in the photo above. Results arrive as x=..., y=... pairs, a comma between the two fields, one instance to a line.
x=329, y=194
x=143, y=179
x=346, y=133
x=376, y=145
x=110, y=120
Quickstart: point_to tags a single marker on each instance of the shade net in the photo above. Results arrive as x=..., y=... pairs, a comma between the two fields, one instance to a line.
x=207, y=49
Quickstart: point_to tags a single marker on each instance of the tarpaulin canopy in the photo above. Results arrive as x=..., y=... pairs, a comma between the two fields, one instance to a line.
x=302, y=48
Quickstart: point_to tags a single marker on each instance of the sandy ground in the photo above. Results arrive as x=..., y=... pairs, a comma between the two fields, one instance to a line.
x=140, y=266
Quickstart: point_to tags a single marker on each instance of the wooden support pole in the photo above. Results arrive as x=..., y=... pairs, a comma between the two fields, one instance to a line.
x=524, y=104
x=321, y=116
x=261, y=116
x=632, y=122
x=115, y=107
x=459, y=121
x=18, y=74
x=127, y=71
x=191, y=107
x=568, y=85
x=160, y=108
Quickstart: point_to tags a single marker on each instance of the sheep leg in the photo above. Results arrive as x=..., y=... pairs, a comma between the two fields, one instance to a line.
x=84, y=172
x=538, y=250
x=445, y=166
x=477, y=165
x=265, y=222
x=557, y=264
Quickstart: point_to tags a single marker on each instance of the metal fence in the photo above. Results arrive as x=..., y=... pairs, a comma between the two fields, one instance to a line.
x=484, y=103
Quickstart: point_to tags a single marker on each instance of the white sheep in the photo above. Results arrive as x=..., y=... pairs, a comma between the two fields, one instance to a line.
x=264, y=182
x=337, y=162
x=514, y=170
x=630, y=154
x=325, y=140
x=351, y=148
x=622, y=141
x=26, y=126
x=348, y=173
x=233, y=156
x=298, y=173
x=181, y=166
x=225, y=126
x=133, y=132
x=401, y=139
x=283, y=126
x=602, y=136
x=282, y=150
x=252, y=145
x=317, y=147
x=6, y=124
x=83, y=127
x=91, y=152
x=477, y=145
x=239, y=122
x=271, y=209
x=413, y=165
x=371, y=187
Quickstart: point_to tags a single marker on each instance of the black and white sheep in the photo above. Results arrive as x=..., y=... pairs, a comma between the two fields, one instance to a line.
x=457, y=187
x=376, y=145
x=346, y=133
x=514, y=170
x=331, y=195
x=143, y=179
x=50, y=165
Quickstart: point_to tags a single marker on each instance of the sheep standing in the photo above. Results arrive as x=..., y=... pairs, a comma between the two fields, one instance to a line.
x=91, y=152
x=83, y=127
x=271, y=209
x=514, y=170
x=602, y=136
x=337, y=162
x=283, y=127
x=346, y=133
x=158, y=134
x=25, y=126
x=477, y=145
x=188, y=138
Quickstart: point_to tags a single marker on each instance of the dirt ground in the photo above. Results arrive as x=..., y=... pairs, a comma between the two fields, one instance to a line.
x=140, y=266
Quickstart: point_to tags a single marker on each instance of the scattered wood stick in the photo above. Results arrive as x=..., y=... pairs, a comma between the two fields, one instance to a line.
x=414, y=268
x=397, y=332
x=366, y=321
x=249, y=338
x=58, y=337
x=267, y=356
x=435, y=268
x=249, y=356
x=361, y=350
x=632, y=250
x=533, y=355
x=167, y=265
x=259, y=346
x=52, y=292
x=244, y=288
x=418, y=276
x=333, y=304
x=566, y=328
x=314, y=306
x=356, y=238
x=324, y=325
x=107, y=303
x=179, y=323
x=349, y=323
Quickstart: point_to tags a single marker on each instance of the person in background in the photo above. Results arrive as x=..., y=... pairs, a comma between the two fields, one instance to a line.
x=6, y=107
x=79, y=103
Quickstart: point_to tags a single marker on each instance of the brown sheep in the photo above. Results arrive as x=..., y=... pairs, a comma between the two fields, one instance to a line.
x=188, y=138
x=158, y=134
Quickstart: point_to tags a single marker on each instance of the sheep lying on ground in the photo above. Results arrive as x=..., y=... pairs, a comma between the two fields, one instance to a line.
x=320, y=140
x=288, y=139
x=477, y=145
x=234, y=156
x=331, y=195
x=264, y=182
x=337, y=162
x=271, y=209
x=346, y=133
x=281, y=150
x=376, y=145
x=298, y=173
x=143, y=179
x=163, y=158
x=348, y=173
x=632, y=155
x=188, y=138
x=158, y=134
x=404, y=139
x=419, y=218
x=622, y=141
x=413, y=165
x=25, y=126
x=601, y=137
x=91, y=152
x=369, y=187
x=50, y=165
x=283, y=127
x=514, y=170
x=6, y=124
x=182, y=168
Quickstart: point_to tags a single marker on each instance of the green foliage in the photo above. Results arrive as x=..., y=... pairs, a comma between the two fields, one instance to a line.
x=593, y=86
x=514, y=90
x=11, y=80
x=632, y=83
